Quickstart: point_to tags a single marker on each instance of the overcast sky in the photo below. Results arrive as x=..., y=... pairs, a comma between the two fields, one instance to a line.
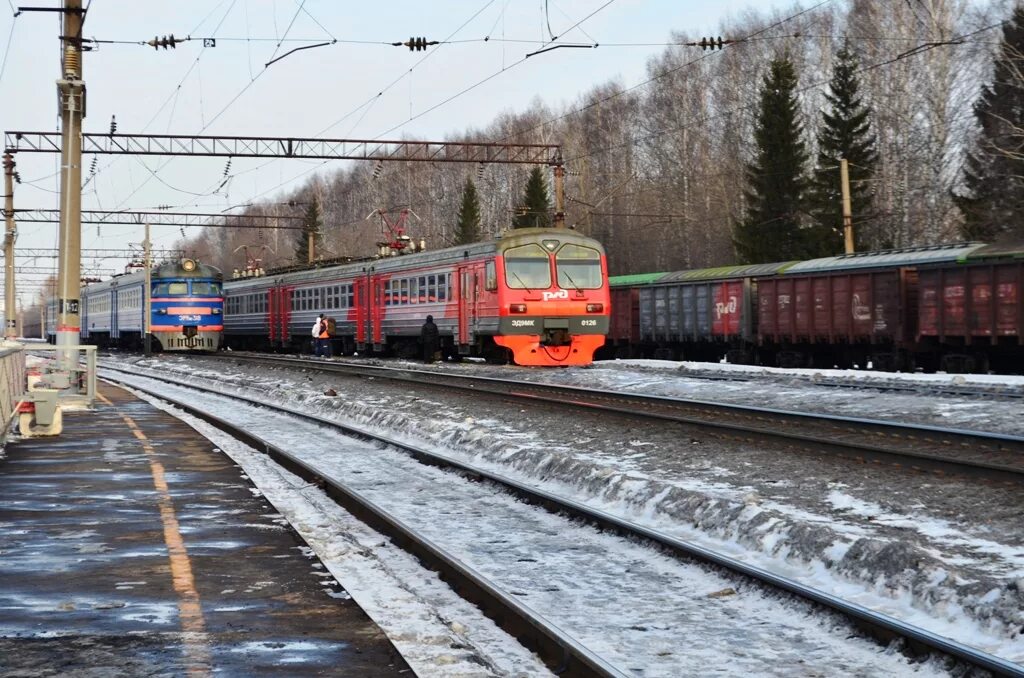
x=227, y=90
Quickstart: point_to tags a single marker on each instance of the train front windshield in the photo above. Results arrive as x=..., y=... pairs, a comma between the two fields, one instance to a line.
x=205, y=289
x=528, y=267
x=578, y=267
x=172, y=289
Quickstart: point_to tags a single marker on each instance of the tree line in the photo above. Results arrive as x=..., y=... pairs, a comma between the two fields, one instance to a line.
x=729, y=156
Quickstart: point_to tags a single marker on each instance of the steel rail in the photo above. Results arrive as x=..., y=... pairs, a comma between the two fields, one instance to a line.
x=573, y=396
x=880, y=626
x=976, y=391
x=565, y=655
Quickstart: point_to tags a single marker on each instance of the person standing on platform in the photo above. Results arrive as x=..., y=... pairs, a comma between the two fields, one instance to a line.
x=430, y=337
x=323, y=348
x=316, y=334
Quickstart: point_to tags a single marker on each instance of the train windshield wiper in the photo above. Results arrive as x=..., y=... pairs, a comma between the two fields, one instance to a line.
x=571, y=281
x=521, y=282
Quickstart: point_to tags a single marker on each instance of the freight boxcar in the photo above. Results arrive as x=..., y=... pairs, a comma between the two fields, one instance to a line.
x=970, y=315
x=703, y=314
x=852, y=309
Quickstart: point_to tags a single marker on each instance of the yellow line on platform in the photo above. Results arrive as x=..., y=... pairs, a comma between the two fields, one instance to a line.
x=190, y=611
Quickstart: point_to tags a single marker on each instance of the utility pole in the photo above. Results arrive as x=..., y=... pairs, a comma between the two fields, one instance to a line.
x=71, y=91
x=11, y=317
x=314, y=229
x=148, y=294
x=559, y=194
x=310, y=236
x=844, y=176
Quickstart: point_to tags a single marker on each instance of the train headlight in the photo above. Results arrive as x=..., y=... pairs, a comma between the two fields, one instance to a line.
x=216, y=311
x=595, y=308
x=517, y=308
x=188, y=265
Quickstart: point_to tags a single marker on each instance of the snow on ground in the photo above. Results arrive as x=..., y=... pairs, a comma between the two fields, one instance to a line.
x=806, y=390
x=628, y=603
x=437, y=633
x=939, y=554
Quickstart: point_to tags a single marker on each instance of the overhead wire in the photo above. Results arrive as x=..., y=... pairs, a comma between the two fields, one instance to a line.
x=492, y=76
x=442, y=103
x=368, y=104
x=207, y=124
x=664, y=73
x=177, y=89
x=7, y=50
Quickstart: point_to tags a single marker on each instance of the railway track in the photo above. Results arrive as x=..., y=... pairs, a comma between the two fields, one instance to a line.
x=977, y=391
x=566, y=655
x=931, y=449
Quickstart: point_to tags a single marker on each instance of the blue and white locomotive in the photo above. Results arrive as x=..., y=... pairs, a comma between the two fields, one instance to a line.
x=187, y=309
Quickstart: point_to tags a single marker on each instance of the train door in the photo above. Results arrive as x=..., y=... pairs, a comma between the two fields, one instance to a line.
x=361, y=292
x=377, y=312
x=284, y=303
x=467, y=296
x=114, y=297
x=272, y=311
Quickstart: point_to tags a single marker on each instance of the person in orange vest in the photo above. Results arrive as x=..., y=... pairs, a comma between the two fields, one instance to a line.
x=321, y=331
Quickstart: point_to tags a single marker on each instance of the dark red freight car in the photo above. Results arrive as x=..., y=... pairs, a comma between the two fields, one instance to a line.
x=972, y=313
x=855, y=309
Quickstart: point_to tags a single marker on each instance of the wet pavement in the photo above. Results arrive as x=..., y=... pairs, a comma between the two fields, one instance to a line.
x=130, y=546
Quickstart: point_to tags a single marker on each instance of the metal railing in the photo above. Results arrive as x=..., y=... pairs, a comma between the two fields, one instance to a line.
x=12, y=383
x=66, y=371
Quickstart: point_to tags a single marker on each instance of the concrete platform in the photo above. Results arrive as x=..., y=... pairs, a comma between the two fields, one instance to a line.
x=128, y=546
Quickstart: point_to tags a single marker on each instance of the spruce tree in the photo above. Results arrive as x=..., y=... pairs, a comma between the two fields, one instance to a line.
x=536, y=209
x=993, y=203
x=312, y=221
x=772, y=229
x=468, y=229
x=845, y=133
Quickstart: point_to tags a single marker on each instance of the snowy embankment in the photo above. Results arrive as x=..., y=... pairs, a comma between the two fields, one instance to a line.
x=927, y=551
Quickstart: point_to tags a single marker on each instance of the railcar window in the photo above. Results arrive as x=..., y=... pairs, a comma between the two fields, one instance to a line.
x=174, y=289
x=208, y=288
x=442, y=287
x=490, y=276
x=527, y=267
x=578, y=267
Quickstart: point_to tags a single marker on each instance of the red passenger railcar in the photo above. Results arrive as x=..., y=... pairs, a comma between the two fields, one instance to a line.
x=537, y=296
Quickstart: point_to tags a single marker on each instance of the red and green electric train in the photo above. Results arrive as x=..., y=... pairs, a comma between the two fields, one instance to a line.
x=537, y=297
